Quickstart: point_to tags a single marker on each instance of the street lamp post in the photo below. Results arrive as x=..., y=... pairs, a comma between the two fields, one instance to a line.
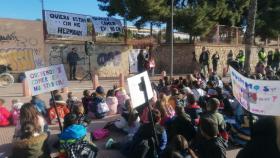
x=172, y=40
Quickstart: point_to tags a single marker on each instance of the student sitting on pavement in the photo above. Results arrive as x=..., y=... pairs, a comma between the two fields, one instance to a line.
x=178, y=148
x=129, y=121
x=31, y=144
x=99, y=108
x=39, y=104
x=61, y=109
x=212, y=113
x=143, y=143
x=193, y=109
x=28, y=113
x=86, y=100
x=16, y=106
x=122, y=97
x=71, y=101
x=73, y=140
x=211, y=146
x=181, y=124
x=112, y=102
x=5, y=114
x=83, y=119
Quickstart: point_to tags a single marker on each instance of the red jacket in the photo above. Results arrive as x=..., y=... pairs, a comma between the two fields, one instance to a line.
x=61, y=109
x=5, y=115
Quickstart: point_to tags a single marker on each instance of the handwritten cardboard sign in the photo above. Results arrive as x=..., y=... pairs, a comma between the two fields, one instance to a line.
x=46, y=79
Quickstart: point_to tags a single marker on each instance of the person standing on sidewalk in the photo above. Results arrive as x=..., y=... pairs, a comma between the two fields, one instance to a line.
x=215, y=60
x=204, y=61
x=141, y=62
x=276, y=60
x=262, y=56
x=72, y=59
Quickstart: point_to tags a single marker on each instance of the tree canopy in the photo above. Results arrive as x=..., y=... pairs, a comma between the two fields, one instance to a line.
x=197, y=17
x=268, y=19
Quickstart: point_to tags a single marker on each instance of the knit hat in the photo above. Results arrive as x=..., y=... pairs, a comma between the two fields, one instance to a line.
x=100, y=90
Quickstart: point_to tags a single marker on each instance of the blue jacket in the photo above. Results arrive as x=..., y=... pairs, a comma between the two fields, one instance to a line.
x=40, y=106
x=73, y=132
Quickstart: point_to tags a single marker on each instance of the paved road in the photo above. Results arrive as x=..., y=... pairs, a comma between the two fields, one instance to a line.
x=15, y=91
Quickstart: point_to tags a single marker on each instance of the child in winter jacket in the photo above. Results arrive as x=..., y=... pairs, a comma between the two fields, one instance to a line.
x=73, y=141
x=61, y=109
x=5, y=115
x=16, y=105
x=31, y=143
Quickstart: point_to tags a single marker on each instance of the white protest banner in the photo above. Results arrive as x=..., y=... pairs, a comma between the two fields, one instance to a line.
x=106, y=25
x=66, y=24
x=136, y=93
x=46, y=79
x=257, y=96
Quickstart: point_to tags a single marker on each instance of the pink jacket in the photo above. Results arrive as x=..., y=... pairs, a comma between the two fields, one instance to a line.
x=112, y=103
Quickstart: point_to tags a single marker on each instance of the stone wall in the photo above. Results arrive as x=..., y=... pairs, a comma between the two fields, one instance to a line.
x=21, y=44
x=183, y=56
x=106, y=61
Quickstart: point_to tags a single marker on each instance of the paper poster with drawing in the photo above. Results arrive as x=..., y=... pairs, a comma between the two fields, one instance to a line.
x=257, y=96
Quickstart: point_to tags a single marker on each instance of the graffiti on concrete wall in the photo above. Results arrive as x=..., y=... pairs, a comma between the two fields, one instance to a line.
x=58, y=54
x=21, y=50
x=114, y=58
x=20, y=59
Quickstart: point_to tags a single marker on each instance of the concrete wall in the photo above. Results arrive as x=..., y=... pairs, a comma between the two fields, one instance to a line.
x=21, y=44
x=106, y=61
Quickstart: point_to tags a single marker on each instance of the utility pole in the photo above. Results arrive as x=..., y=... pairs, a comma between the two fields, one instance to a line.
x=172, y=40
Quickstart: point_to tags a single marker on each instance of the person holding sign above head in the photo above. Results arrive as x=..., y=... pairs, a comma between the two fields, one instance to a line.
x=72, y=59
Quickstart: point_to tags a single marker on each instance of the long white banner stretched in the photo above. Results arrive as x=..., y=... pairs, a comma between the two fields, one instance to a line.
x=106, y=25
x=257, y=96
x=66, y=24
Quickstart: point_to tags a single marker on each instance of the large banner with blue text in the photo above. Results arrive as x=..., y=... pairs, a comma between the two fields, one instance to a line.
x=257, y=96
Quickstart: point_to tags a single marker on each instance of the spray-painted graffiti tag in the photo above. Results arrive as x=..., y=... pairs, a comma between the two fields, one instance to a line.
x=105, y=58
x=8, y=37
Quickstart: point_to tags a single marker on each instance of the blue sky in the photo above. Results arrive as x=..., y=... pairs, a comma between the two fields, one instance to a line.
x=31, y=9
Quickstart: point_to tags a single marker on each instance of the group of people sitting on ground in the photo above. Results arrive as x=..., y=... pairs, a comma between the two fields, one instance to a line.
x=187, y=118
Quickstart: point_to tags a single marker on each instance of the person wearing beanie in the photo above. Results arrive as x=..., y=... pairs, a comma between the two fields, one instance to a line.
x=99, y=108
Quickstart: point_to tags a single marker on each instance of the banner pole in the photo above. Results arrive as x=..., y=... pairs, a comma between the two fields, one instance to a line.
x=149, y=108
x=56, y=112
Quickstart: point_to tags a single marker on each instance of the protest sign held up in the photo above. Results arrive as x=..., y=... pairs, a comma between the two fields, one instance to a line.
x=136, y=91
x=257, y=96
x=106, y=25
x=46, y=79
x=66, y=24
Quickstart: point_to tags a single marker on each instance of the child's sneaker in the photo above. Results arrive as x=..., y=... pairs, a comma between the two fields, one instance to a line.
x=109, y=143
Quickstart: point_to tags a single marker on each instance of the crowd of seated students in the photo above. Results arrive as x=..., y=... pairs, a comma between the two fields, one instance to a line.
x=187, y=118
